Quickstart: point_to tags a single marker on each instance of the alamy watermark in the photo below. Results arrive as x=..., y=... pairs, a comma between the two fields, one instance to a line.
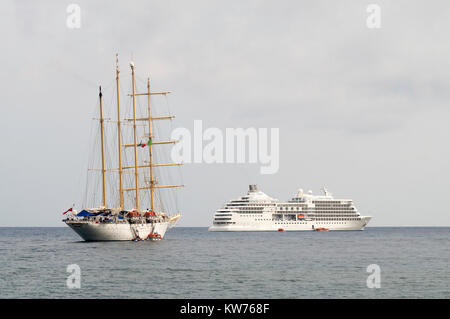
x=73, y=20
x=74, y=279
x=374, y=279
x=235, y=145
x=374, y=19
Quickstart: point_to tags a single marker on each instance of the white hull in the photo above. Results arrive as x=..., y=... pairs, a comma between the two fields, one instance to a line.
x=293, y=226
x=91, y=231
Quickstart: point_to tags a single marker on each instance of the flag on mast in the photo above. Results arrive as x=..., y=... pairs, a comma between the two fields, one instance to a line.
x=146, y=144
x=69, y=210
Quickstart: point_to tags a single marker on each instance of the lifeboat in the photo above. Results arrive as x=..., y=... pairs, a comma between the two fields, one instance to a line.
x=133, y=214
x=280, y=229
x=300, y=216
x=154, y=236
x=150, y=214
x=321, y=229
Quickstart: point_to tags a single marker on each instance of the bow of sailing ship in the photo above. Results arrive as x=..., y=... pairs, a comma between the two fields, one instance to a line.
x=106, y=223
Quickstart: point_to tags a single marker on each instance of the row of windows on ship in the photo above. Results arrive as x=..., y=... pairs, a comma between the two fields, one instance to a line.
x=278, y=218
x=321, y=202
x=323, y=221
x=341, y=207
x=292, y=217
x=318, y=203
x=317, y=208
x=259, y=205
x=317, y=214
x=316, y=211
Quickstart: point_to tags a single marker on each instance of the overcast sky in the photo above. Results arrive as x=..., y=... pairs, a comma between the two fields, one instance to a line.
x=363, y=111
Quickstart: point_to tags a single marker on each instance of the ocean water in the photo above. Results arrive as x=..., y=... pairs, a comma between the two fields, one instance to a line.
x=195, y=263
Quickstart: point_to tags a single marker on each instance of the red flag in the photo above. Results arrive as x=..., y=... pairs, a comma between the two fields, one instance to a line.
x=69, y=210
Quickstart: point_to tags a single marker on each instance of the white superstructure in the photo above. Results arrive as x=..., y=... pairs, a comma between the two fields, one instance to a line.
x=259, y=212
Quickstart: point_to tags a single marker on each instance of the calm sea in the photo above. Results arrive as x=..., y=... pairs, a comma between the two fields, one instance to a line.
x=195, y=263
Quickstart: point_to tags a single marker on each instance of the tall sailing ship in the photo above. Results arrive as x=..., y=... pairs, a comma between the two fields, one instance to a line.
x=124, y=218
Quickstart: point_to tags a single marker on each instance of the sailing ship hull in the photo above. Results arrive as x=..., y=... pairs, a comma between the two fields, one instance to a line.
x=91, y=231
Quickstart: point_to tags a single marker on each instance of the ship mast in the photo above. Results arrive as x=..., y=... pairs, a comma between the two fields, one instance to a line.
x=149, y=119
x=119, y=135
x=135, y=139
x=152, y=183
x=103, y=147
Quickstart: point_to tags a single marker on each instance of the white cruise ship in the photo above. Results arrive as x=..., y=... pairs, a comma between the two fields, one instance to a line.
x=259, y=212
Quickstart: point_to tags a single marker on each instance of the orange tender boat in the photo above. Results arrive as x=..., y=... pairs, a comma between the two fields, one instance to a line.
x=154, y=236
x=321, y=229
x=133, y=214
x=150, y=214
